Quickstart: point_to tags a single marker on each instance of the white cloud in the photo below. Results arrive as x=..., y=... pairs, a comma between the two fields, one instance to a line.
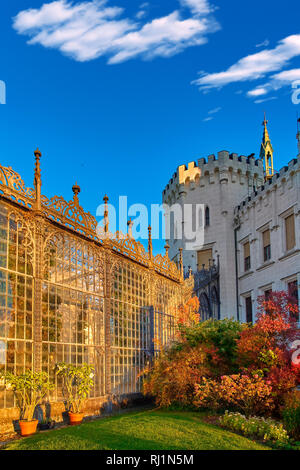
x=211, y=114
x=263, y=44
x=277, y=81
x=265, y=99
x=198, y=7
x=90, y=29
x=142, y=10
x=215, y=110
x=141, y=14
x=258, y=91
x=287, y=76
x=161, y=37
x=255, y=66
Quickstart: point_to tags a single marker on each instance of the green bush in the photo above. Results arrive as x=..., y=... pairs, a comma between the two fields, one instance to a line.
x=219, y=334
x=78, y=382
x=207, y=349
x=29, y=388
x=261, y=428
x=291, y=419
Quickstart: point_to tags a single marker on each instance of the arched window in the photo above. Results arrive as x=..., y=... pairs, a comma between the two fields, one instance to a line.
x=204, y=307
x=207, y=217
x=215, y=303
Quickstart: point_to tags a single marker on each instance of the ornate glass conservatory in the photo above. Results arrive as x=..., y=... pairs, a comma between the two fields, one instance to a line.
x=69, y=294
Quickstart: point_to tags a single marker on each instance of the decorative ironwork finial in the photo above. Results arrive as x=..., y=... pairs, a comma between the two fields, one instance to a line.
x=167, y=247
x=181, y=261
x=37, y=153
x=37, y=179
x=130, y=225
x=150, y=242
x=106, y=219
x=76, y=190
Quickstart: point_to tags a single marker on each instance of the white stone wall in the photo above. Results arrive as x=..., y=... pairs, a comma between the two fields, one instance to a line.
x=221, y=184
x=267, y=209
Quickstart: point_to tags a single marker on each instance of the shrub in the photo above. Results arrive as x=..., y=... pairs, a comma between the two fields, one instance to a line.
x=261, y=428
x=206, y=349
x=247, y=368
x=207, y=394
x=172, y=377
x=78, y=381
x=291, y=415
x=221, y=336
x=265, y=347
x=250, y=394
x=267, y=343
x=283, y=381
x=188, y=314
x=29, y=388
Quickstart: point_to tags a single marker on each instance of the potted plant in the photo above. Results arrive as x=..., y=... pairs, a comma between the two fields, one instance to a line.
x=77, y=383
x=29, y=388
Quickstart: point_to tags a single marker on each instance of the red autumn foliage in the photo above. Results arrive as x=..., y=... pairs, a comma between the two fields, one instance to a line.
x=219, y=364
x=266, y=347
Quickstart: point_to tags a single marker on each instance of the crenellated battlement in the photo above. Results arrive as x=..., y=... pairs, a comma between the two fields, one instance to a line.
x=226, y=167
x=285, y=175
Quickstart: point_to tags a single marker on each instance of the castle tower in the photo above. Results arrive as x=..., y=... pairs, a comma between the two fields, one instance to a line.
x=202, y=197
x=267, y=152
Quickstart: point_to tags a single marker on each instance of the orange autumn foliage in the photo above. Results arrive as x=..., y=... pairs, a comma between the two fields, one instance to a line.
x=188, y=314
x=250, y=394
x=173, y=376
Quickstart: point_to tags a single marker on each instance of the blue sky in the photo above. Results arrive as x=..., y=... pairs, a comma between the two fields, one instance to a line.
x=118, y=93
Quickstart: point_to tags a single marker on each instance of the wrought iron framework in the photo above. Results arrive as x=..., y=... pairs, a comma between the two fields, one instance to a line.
x=207, y=289
x=70, y=292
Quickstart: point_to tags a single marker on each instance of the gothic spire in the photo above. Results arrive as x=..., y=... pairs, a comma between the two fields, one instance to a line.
x=266, y=151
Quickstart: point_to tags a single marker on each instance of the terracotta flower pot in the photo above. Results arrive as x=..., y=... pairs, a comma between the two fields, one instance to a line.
x=28, y=427
x=75, y=418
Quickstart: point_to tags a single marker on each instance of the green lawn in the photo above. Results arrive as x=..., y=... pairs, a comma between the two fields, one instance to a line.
x=148, y=430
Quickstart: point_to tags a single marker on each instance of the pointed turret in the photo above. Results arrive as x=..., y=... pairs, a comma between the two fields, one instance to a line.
x=267, y=152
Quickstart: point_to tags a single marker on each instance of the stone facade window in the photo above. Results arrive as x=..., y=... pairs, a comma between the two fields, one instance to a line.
x=203, y=259
x=247, y=258
x=267, y=245
x=268, y=294
x=207, y=217
x=290, y=236
x=249, y=311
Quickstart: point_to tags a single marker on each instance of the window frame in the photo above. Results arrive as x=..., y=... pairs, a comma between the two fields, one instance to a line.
x=247, y=259
x=285, y=218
